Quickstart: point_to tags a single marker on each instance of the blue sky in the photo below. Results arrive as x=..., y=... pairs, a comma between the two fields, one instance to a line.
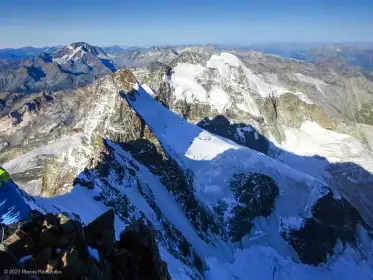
x=162, y=22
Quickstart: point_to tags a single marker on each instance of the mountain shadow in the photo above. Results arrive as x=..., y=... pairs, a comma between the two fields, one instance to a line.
x=333, y=219
x=348, y=179
x=242, y=134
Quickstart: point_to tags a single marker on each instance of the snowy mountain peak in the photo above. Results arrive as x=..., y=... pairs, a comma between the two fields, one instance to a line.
x=76, y=51
x=81, y=57
x=224, y=58
x=79, y=44
x=221, y=83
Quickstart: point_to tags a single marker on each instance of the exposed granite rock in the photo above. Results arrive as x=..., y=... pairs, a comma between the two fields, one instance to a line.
x=255, y=195
x=100, y=234
x=139, y=242
x=365, y=114
x=190, y=57
x=332, y=220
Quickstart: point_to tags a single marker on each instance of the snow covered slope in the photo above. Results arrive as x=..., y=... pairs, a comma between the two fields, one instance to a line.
x=214, y=160
x=294, y=111
x=212, y=82
x=217, y=207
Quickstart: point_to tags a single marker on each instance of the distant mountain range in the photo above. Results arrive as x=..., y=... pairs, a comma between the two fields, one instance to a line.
x=78, y=64
x=25, y=52
x=55, y=69
x=356, y=54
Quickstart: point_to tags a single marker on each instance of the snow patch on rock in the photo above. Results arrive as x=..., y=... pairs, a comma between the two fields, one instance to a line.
x=219, y=99
x=185, y=84
x=312, y=139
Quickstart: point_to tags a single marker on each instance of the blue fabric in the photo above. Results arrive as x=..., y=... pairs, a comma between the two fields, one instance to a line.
x=13, y=207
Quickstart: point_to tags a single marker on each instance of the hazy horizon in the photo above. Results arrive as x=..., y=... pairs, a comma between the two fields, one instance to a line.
x=274, y=44
x=165, y=22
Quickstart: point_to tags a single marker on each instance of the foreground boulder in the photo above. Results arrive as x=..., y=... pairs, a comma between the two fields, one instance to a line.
x=57, y=247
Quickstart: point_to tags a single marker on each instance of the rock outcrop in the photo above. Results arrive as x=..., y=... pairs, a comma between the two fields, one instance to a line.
x=57, y=247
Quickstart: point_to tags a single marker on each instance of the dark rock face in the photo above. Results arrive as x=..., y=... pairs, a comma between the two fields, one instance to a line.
x=178, y=182
x=333, y=219
x=164, y=95
x=240, y=133
x=161, y=67
x=158, y=80
x=36, y=73
x=190, y=57
x=53, y=242
x=339, y=215
x=167, y=234
x=314, y=242
x=137, y=242
x=256, y=195
x=2, y=105
x=191, y=111
x=145, y=152
x=100, y=233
